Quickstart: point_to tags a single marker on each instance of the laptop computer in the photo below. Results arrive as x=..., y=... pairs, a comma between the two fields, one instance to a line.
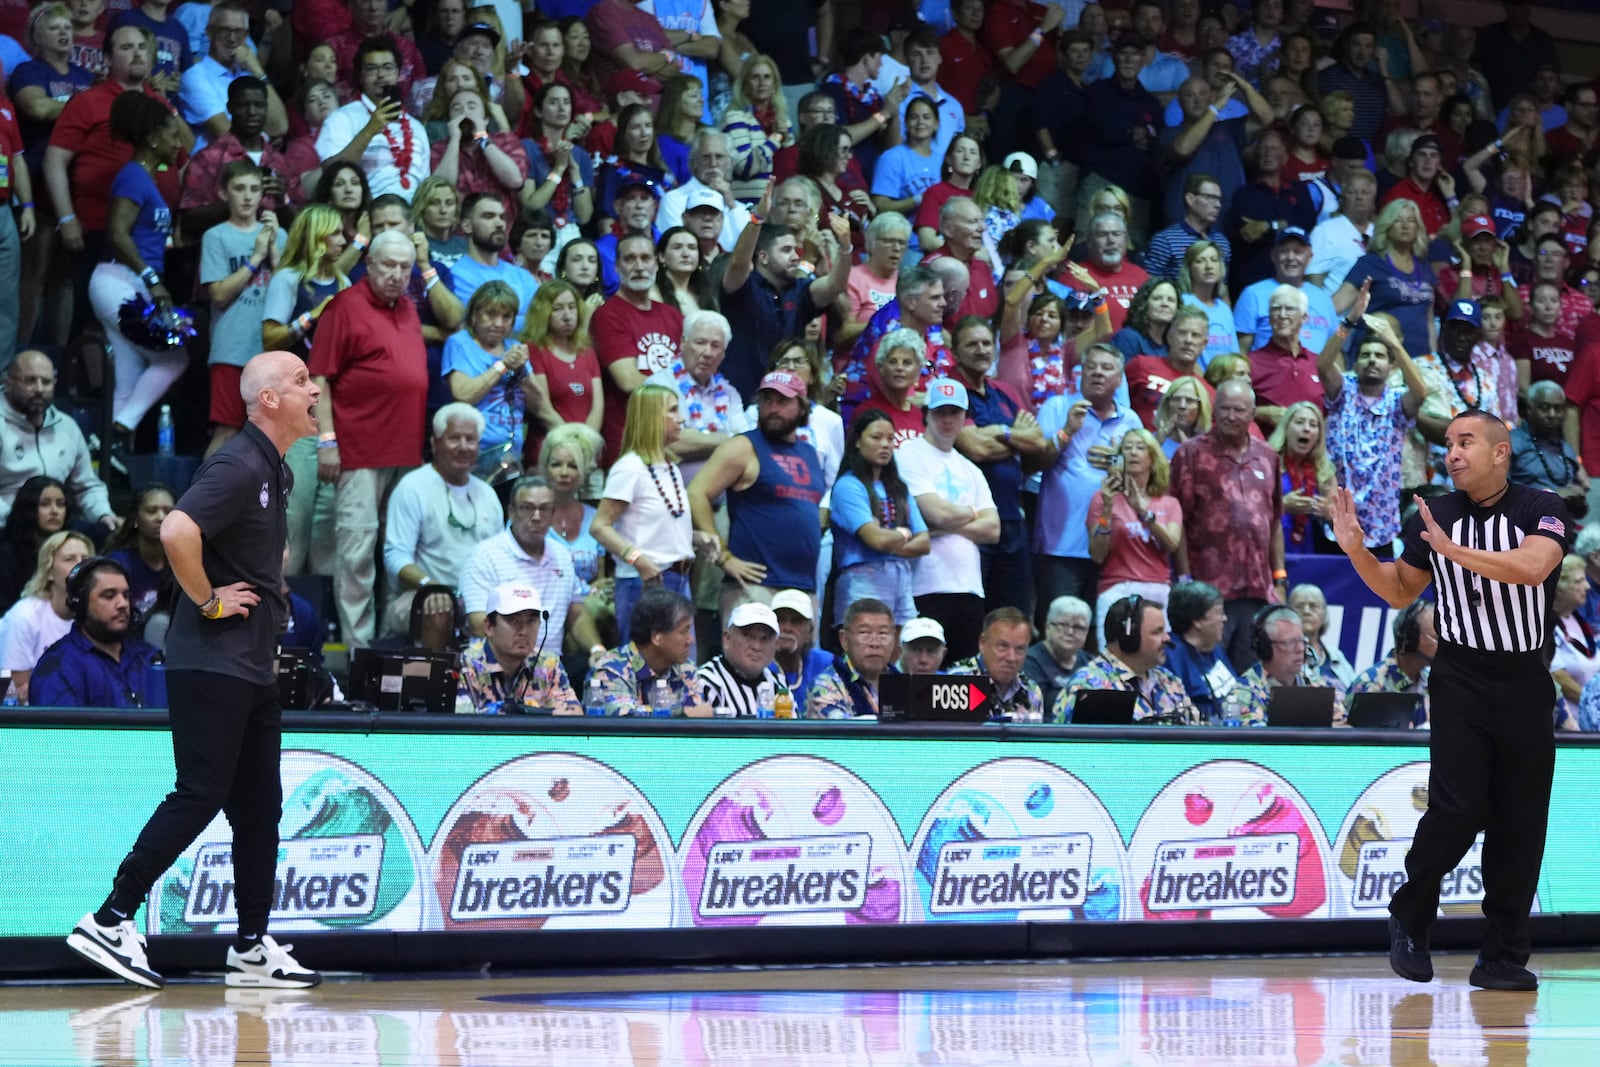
x=1104, y=707
x=936, y=698
x=1384, y=711
x=404, y=679
x=1301, y=705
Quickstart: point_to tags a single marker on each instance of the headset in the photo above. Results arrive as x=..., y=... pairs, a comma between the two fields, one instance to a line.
x=81, y=579
x=1408, y=627
x=1260, y=642
x=1127, y=635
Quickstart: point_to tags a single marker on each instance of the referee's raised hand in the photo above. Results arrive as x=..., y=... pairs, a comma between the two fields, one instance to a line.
x=1432, y=532
x=1346, y=526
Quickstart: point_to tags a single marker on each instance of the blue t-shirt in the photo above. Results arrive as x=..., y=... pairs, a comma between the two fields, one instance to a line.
x=1250, y=315
x=852, y=510
x=172, y=40
x=502, y=406
x=154, y=221
x=901, y=172
x=468, y=275
x=37, y=74
x=1409, y=298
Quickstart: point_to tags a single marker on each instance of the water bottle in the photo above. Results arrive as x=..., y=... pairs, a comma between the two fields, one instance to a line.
x=661, y=700
x=783, y=703
x=1233, y=721
x=10, y=700
x=766, y=700
x=166, y=442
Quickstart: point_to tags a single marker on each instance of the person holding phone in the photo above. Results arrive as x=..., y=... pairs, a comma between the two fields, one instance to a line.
x=373, y=132
x=1134, y=526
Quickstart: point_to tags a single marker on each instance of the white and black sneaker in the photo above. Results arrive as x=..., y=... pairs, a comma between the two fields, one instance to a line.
x=119, y=949
x=268, y=965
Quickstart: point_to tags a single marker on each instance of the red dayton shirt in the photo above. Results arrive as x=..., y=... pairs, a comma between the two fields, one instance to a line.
x=1583, y=391
x=201, y=180
x=377, y=371
x=1008, y=24
x=1231, y=503
x=1120, y=285
x=648, y=340
x=1148, y=378
x=1281, y=379
x=84, y=129
x=1549, y=359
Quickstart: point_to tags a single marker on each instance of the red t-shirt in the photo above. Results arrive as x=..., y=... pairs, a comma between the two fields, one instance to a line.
x=10, y=142
x=963, y=66
x=1298, y=170
x=1281, y=379
x=1435, y=215
x=84, y=129
x=571, y=384
x=613, y=23
x=908, y=422
x=1549, y=359
x=646, y=339
x=1008, y=24
x=1120, y=285
x=983, y=295
x=1583, y=390
x=1133, y=555
x=377, y=371
x=1148, y=378
x=933, y=201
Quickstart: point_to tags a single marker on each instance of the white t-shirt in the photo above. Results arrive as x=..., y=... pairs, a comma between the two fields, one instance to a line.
x=1335, y=247
x=437, y=525
x=30, y=627
x=952, y=565
x=649, y=520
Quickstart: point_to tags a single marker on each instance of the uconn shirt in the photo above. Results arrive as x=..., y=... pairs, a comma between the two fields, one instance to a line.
x=1473, y=611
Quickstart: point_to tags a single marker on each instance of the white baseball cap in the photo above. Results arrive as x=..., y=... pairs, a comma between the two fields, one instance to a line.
x=752, y=614
x=704, y=197
x=921, y=628
x=512, y=598
x=794, y=600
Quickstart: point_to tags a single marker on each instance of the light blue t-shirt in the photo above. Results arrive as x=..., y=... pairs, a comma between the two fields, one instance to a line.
x=1250, y=314
x=1221, y=336
x=236, y=329
x=852, y=510
x=901, y=172
x=952, y=119
x=1164, y=74
x=1066, y=489
x=468, y=275
x=502, y=406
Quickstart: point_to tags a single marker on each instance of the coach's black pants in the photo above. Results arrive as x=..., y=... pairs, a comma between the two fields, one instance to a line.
x=1494, y=756
x=225, y=742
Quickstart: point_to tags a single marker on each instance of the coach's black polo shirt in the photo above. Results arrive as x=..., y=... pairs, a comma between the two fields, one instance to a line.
x=239, y=499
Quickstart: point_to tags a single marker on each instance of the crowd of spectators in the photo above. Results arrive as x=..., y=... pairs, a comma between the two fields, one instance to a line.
x=681, y=356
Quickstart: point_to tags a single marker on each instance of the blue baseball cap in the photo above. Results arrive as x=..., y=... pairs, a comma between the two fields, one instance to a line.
x=1465, y=311
x=947, y=393
x=1292, y=233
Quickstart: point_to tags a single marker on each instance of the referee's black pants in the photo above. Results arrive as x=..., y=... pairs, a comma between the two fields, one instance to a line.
x=226, y=739
x=1493, y=757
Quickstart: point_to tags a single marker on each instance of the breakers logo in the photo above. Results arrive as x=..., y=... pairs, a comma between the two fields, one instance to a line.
x=1232, y=872
x=788, y=875
x=1006, y=875
x=1382, y=869
x=528, y=879
x=317, y=878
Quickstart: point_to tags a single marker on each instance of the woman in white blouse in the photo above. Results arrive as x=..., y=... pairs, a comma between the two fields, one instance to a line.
x=41, y=617
x=643, y=519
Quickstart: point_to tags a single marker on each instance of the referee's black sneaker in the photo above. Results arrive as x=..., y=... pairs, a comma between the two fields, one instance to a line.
x=1408, y=956
x=1503, y=974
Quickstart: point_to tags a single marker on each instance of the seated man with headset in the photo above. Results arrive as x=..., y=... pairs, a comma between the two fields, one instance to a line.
x=1135, y=648
x=507, y=668
x=1278, y=638
x=1405, y=668
x=98, y=664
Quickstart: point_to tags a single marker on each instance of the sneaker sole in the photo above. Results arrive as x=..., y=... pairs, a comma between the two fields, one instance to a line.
x=102, y=957
x=249, y=980
x=1501, y=985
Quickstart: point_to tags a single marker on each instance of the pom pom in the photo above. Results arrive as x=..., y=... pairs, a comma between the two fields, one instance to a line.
x=145, y=324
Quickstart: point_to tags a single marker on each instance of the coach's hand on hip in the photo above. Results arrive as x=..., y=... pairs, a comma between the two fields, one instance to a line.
x=230, y=600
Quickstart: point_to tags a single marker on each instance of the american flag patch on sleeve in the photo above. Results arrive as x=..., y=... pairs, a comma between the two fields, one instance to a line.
x=1553, y=525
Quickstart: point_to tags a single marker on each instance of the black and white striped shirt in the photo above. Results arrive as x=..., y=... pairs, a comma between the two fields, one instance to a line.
x=1476, y=612
x=724, y=689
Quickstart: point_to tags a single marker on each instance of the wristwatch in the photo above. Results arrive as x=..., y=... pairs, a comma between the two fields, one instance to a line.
x=212, y=609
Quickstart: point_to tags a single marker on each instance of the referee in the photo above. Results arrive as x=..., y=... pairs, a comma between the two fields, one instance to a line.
x=224, y=542
x=1493, y=551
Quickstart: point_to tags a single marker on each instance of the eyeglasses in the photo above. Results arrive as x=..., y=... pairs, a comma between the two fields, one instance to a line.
x=380, y=68
x=792, y=361
x=876, y=637
x=1291, y=642
x=526, y=510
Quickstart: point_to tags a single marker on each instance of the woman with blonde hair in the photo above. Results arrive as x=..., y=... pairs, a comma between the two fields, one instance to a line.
x=1402, y=282
x=643, y=519
x=1203, y=281
x=1301, y=442
x=41, y=617
x=1226, y=367
x=566, y=372
x=1134, y=526
x=1183, y=414
x=757, y=125
x=997, y=194
x=437, y=211
x=568, y=458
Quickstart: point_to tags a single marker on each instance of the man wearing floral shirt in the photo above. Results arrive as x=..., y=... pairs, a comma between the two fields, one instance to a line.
x=1135, y=649
x=1284, y=664
x=849, y=688
x=1368, y=420
x=625, y=679
x=506, y=665
x=1405, y=668
x=1002, y=648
